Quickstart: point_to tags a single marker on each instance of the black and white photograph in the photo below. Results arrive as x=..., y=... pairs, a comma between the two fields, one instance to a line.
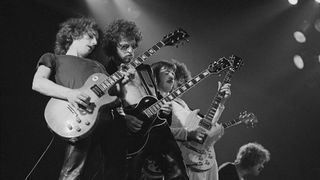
x=160, y=90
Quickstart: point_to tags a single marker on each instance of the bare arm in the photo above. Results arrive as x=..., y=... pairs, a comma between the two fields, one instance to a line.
x=42, y=84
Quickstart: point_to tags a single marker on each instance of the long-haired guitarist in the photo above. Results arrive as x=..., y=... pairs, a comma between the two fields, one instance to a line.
x=61, y=74
x=121, y=39
x=166, y=82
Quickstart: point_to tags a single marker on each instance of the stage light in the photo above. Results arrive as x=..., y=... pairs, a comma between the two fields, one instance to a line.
x=293, y=2
x=318, y=1
x=298, y=62
x=299, y=36
x=319, y=58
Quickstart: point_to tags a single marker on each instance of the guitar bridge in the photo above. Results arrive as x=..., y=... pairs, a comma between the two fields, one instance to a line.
x=194, y=149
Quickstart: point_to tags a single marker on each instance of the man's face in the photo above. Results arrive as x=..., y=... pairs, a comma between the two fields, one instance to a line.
x=166, y=79
x=255, y=170
x=85, y=45
x=126, y=49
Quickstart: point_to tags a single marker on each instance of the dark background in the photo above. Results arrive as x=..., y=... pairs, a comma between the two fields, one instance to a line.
x=285, y=99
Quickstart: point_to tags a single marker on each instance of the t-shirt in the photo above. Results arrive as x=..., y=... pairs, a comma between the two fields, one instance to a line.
x=228, y=171
x=70, y=71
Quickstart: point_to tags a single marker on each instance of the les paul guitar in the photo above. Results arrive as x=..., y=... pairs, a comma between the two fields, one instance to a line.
x=73, y=124
x=148, y=107
x=201, y=157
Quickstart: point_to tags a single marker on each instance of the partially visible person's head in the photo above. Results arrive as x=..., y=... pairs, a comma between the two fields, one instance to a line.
x=164, y=72
x=252, y=157
x=81, y=31
x=183, y=74
x=120, y=39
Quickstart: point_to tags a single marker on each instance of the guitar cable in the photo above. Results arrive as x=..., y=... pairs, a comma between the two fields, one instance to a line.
x=45, y=151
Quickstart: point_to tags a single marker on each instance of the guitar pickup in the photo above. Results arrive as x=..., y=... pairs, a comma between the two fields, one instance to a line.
x=205, y=124
x=97, y=91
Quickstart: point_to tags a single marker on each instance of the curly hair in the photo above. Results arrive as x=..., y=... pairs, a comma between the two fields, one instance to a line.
x=116, y=30
x=183, y=74
x=252, y=154
x=72, y=29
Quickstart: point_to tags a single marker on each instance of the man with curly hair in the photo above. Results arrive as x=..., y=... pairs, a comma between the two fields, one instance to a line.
x=250, y=160
x=61, y=74
x=121, y=38
x=169, y=76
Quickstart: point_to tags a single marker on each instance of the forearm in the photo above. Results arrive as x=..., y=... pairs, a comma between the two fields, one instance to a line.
x=49, y=88
x=179, y=134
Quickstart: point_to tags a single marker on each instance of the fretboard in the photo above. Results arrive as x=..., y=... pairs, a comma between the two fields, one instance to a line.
x=218, y=97
x=101, y=88
x=231, y=123
x=153, y=109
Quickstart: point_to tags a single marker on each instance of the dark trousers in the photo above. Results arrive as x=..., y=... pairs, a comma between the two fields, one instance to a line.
x=110, y=137
x=164, y=149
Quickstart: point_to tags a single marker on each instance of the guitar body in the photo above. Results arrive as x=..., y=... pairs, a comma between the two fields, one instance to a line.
x=138, y=140
x=199, y=156
x=74, y=124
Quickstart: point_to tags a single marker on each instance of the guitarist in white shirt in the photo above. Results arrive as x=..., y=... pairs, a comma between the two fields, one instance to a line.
x=166, y=82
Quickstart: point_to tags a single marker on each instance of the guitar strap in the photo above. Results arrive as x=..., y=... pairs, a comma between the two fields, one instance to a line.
x=146, y=75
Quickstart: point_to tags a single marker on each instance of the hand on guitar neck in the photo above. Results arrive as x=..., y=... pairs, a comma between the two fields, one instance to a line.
x=128, y=71
x=225, y=90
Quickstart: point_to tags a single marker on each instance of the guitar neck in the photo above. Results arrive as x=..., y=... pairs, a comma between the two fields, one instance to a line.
x=153, y=109
x=100, y=89
x=231, y=123
x=218, y=97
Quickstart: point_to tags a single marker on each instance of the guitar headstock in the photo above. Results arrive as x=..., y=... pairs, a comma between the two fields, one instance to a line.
x=248, y=119
x=175, y=37
x=218, y=66
x=236, y=62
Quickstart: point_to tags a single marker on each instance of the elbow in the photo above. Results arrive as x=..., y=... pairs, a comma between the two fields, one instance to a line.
x=35, y=85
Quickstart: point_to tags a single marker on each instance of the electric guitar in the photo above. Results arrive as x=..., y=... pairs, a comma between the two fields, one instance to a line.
x=148, y=107
x=74, y=124
x=207, y=123
x=197, y=162
x=201, y=157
